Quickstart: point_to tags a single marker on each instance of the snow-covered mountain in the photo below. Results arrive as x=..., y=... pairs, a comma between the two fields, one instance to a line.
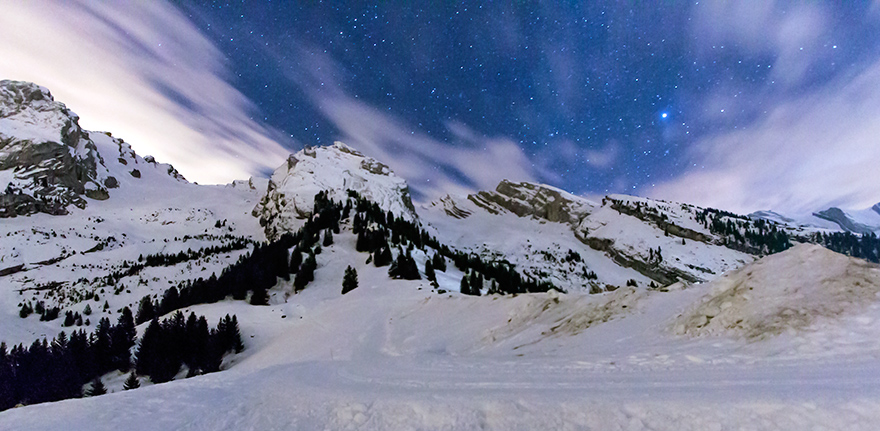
x=863, y=221
x=665, y=315
x=336, y=169
x=581, y=244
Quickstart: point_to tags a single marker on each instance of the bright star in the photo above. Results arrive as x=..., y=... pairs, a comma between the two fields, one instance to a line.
x=664, y=115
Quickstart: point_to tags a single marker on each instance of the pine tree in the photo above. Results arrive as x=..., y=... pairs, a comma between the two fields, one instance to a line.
x=349, y=280
x=122, y=338
x=465, y=288
x=260, y=297
x=382, y=256
x=146, y=312
x=439, y=262
x=7, y=391
x=68, y=319
x=131, y=382
x=362, y=243
x=148, y=350
x=235, y=343
x=328, y=238
x=429, y=271
x=25, y=311
x=97, y=388
x=296, y=260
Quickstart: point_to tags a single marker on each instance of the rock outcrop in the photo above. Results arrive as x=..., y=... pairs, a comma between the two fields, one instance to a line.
x=47, y=161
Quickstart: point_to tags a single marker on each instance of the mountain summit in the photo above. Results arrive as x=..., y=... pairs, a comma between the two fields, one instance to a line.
x=335, y=169
x=46, y=160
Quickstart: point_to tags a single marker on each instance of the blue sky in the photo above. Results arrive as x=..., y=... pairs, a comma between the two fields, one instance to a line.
x=741, y=105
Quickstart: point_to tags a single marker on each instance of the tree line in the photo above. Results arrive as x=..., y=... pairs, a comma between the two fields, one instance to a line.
x=60, y=368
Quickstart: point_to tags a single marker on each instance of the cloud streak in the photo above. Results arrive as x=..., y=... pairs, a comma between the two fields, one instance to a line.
x=795, y=144
x=806, y=153
x=142, y=71
x=465, y=163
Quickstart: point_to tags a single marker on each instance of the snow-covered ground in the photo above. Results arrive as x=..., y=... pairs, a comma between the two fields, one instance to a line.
x=393, y=355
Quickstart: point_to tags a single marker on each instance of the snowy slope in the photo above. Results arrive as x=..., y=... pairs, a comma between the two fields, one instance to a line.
x=391, y=356
x=335, y=169
x=786, y=291
x=537, y=227
x=61, y=260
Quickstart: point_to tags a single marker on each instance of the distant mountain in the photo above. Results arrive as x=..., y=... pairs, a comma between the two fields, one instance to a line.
x=830, y=219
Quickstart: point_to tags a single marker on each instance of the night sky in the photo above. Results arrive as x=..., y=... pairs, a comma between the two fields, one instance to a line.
x=740, y=105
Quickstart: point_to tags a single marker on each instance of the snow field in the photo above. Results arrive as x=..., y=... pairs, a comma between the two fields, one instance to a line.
x=390, y=356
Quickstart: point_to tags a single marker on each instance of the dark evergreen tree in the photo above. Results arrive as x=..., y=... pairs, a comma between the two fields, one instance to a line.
x=101, y=348
x=382, y=256
x=259, y=297
x=97, y=388
x=465, y=288
x=349, y=280
x=439, y=262
x=122, y=339
x=7, y=388
x=328, y=238
x=131, y=382
x=26, y=310
x=429, y=271
x=148, y=349
x=145, y=312
x=296, y=260
x=68, y=319
x=235, y=335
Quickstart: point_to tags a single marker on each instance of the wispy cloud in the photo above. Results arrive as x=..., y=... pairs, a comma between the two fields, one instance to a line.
x=806, y=153
x=799, y=145
x=142, y=71
x=432, y=167
x=465, y=163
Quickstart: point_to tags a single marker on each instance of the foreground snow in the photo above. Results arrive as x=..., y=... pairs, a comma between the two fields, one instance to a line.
x=390, y=355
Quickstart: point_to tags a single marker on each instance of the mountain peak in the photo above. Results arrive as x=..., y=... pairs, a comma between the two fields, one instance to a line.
x=22, y=93
x=47, y=162
x=333, y=169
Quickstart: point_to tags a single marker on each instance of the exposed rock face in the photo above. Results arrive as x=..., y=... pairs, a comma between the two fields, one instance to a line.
x=47, y=162
x=623, y=236
x=291, y=191
x=837, y=215
x=532, y=200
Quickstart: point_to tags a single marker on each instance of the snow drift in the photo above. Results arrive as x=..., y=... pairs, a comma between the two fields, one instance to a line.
x=783, y=292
